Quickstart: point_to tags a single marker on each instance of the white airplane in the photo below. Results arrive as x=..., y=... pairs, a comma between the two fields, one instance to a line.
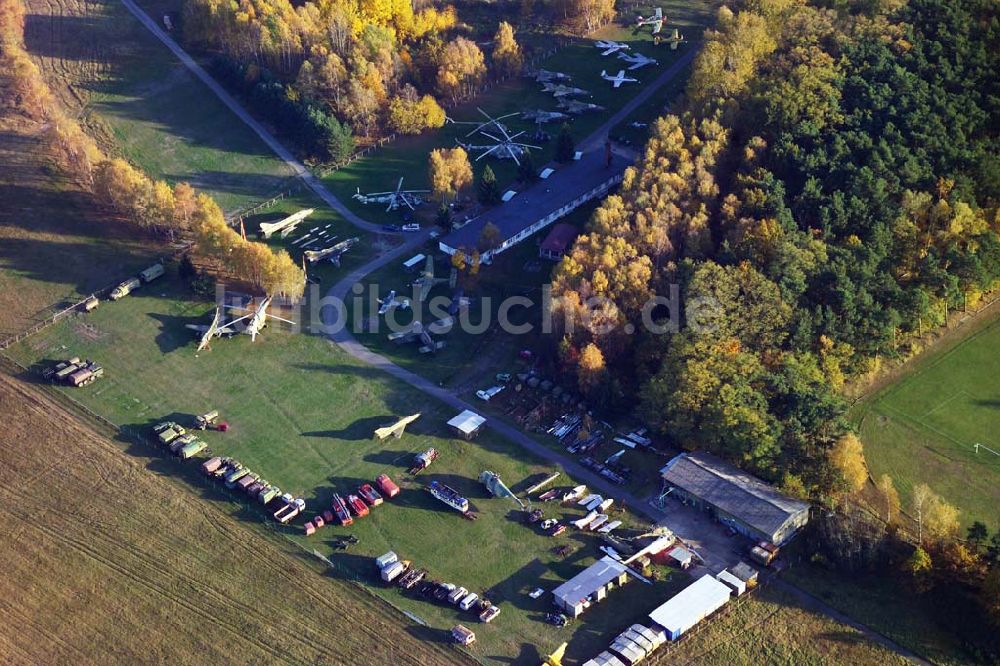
x=637, y=60
x=285, y=226
x=656, y=21
x=618, y=79
x=399, y=197
x=256, y=320
x=611, y=47
x=390, y=302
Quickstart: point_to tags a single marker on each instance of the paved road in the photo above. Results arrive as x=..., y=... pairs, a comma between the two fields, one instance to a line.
x=297, y=167
x=710, y=543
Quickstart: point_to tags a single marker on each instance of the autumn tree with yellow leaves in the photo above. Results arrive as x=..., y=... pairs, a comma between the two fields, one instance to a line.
x=449, y=171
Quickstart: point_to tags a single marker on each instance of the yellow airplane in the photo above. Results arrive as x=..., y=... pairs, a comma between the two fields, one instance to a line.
x=555, y=659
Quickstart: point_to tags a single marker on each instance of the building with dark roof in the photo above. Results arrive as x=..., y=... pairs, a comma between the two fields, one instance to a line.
x=735, y=498
x=557, y=242
x=569, y=187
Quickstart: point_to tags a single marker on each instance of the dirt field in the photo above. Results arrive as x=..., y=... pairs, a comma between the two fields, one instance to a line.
x=103, y=561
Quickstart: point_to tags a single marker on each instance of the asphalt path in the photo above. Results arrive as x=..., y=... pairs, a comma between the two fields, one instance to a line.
x=341, y=335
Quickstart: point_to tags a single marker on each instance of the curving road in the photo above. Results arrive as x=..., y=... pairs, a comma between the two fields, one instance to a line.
x=714, y=551
x=299, y=169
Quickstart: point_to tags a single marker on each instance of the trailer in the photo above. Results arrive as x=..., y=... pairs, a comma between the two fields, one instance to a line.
x=393, y=571
x=124, y=289
x=292, y=508
x=369, y=494
x=86, y=374
x=209, y=466
x=340, y=509
x=151, y=273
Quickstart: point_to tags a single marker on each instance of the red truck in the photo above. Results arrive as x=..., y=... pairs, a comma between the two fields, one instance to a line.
x=359, y=508
x=340, y=510
x=386, y=486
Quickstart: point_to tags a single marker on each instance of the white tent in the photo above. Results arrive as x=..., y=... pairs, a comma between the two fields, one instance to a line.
x=690, y=606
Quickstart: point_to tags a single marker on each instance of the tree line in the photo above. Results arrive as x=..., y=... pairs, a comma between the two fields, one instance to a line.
x=830, y=187
x=325, y=71
x=125, y=191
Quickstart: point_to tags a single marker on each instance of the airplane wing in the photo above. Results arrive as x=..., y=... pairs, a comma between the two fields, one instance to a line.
x=617, y=83
x=657, y=27
x=659, y=12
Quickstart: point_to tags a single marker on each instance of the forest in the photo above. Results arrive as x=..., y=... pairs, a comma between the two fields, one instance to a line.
x=327, y=71
x=831, y=185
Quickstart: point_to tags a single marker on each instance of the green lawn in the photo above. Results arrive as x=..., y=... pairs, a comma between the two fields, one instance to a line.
x=302, y=414
x=923, y=428
x=156, y=114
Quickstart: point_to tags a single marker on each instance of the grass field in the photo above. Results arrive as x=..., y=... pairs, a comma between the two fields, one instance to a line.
x=302, y=414
x=771, y=628
x=105, y=562
x=922, y=428
x=45, y=223
x=143, y=104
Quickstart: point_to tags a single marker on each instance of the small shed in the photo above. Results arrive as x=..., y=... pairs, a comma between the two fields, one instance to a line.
x=745, y=573
x=467, y=424
x=690, y=606
x=732, y=582
x=681, y=555
x=558, y=241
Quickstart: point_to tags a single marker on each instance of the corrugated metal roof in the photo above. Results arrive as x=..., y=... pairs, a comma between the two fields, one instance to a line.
x=737, y=493
x=588, y=581
x=686, y=608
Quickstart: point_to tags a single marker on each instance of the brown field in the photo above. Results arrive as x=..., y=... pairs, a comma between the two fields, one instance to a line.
x=772, y=629
x=106, y=562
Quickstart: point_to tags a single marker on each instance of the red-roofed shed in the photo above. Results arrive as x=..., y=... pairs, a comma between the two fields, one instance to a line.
x=558, y=241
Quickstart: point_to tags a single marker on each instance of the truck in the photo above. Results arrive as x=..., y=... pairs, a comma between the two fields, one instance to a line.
x=394, y=570
x=763, y=553
x=53, y=372
x=168, y=431
x=291, y=508
x=386, y=486
x=180, y=442
x=192, y=449
x=85, y=374
x=124, y=289
x=204, y=421
x=423, y=460
x=151, y=273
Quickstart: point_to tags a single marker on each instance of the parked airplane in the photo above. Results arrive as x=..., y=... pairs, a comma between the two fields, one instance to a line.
x=399, y=197
x=611, y=47
x=636, y=60
x=656, y=21
x=675, y=38
x=256, y=320
x=390, y=302
x=540, y=116
x=333, y=253
x=427, y=281
x=576, y=107
x=544, y=75
x=417, y=332
x=617, y=79
x=286, y=225
x=559, y=90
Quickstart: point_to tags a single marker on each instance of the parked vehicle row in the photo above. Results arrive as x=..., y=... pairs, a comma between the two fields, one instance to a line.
x=402, y=573
x=344, y=510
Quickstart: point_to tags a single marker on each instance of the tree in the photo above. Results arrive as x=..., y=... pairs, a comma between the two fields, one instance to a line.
x=413, y=116
x=591, y=369
x=489, y=190
x=443, y=217
x=890, y=498
x=848, y=457
x=565, y=146
x=489, y=238
x=976, y=535
x=461, y=68
x=450, y=171
x=922, y=498
x=527, y=172
x=919, y=566
x=507, y=56
x=941, y=521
